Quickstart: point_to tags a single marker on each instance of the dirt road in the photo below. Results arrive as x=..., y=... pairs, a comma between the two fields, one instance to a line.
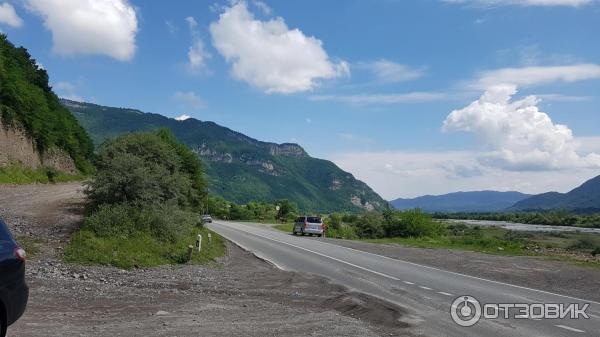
x=239, y=295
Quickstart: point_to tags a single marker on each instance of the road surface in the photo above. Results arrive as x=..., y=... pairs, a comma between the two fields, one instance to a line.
x=426, y=293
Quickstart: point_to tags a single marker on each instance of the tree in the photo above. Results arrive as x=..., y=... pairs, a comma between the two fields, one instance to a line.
x=144, y=168
x=287, y=209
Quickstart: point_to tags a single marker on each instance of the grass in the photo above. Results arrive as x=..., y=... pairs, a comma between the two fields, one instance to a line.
x=142, y=250
x=30, y=244
x=489, y=241
x=286, y=227
x=20, y=175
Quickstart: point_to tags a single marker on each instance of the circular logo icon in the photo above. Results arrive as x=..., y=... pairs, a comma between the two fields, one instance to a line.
x=465, y=310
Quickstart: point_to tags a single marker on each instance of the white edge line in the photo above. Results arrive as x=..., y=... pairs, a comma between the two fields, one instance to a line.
x=569, y=328
x=426, y=288
x=411, y=283
x=446, y=271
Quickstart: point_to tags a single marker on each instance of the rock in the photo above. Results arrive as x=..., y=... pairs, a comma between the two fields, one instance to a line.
x=75, y=275
x=161, y=313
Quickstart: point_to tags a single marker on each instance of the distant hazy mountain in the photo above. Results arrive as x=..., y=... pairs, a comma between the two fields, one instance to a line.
x=585, y=198
x=477, y=201
x=240, y=168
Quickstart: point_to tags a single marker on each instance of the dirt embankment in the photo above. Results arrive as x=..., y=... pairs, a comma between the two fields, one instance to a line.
x=236, y=296
x=17, y=146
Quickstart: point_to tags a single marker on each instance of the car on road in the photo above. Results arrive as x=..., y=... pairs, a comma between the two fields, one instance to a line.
x=206, y=218
x=311, y=225
x=14, y=292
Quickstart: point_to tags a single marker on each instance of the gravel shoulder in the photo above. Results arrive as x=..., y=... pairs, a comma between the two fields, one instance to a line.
x=239, y=295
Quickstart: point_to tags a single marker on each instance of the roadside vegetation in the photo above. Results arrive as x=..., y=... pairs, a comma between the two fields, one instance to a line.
x=414, y=228
x=550, y=218
x=143, y=206
x=19, y=174
x=279, y=211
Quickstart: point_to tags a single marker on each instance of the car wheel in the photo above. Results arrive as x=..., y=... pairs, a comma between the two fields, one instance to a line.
x=294, y=232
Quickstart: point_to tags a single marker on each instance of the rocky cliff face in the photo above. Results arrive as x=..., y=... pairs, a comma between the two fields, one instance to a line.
x=17, y=147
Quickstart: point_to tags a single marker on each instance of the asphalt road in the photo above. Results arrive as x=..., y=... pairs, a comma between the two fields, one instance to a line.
x=427, y=293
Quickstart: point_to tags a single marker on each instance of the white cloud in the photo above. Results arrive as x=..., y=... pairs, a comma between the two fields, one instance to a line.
x=171, y=27
x=189, y=99
x=263, y=7
x=269, y=55
x=183, y=117
x=399, y=98
x=570, y=3
x=68, y=90
x=308, y=121
x=105, y=27
x=516, y=135
x=9, y=16
x=197, y=54
x=391, y=72
x=531, y=76
x=396, y=174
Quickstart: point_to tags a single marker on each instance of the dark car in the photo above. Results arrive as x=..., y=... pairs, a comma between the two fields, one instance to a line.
x=13, y=289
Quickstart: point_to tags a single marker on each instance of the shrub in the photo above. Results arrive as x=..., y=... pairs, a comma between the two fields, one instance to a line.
x=583, y=244
x=370, y=226
x=141, y=169
x=112, y=221
x=412, y=223
x=342, y=232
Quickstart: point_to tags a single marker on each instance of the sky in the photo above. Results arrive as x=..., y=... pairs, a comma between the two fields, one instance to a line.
x=412, y=97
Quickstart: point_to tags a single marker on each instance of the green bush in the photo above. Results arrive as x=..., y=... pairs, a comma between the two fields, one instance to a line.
x=342, y=232
x=411, y=223
x=370, y=226
x=143, y=168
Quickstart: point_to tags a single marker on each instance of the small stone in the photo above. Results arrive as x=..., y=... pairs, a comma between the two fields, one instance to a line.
x=161, y=313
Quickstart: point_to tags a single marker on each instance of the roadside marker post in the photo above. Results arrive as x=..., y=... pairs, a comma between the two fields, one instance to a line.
x=209, y=238
x=199, y=243
x=190, y=252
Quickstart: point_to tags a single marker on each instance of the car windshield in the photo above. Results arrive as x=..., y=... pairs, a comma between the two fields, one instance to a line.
x=313, y=219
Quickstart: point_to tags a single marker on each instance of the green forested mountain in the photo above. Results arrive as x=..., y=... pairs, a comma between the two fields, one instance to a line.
x=240, y=168
x=28, y=103
x=583, y=199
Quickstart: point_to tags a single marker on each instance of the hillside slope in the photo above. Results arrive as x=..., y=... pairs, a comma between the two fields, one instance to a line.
x=477, y=201
x=240, y=168
x=35, y=129
x=583, y=199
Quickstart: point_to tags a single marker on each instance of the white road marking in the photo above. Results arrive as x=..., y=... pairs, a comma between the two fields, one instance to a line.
x=444, y=293
x=408, y=282
x=569, y=328
x=426, y=267
x=426, y=288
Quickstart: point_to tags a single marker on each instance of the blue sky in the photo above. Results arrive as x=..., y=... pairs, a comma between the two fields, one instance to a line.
x=414, y=97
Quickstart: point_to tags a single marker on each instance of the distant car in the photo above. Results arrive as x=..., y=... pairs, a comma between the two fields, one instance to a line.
x=311, y=225
x=14, y=292
x=206, y=218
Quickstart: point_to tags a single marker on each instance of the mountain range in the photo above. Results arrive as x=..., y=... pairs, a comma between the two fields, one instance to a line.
x=240, y=168
x=476, y=201
x=583, y=199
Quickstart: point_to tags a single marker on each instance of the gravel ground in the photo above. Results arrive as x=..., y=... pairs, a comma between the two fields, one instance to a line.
x=239, y=295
